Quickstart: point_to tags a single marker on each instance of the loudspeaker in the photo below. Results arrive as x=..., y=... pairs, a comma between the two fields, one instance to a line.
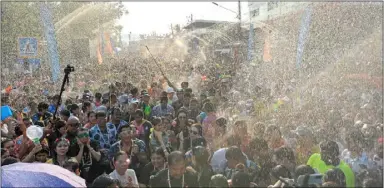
x=80, y=48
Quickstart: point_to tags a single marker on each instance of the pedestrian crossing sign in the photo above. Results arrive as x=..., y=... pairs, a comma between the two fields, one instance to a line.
x=27, y=46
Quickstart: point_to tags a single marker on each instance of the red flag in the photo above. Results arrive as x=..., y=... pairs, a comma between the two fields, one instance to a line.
x=267, y=50
x=109, y=45
x=99, y=56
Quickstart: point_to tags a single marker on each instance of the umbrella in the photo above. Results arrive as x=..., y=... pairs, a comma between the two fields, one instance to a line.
x=38, y=175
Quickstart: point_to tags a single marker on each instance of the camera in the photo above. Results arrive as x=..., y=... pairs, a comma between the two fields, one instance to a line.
x=310, y=180
x=68, y=69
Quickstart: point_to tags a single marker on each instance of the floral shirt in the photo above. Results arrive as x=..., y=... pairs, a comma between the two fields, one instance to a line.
x=105, y=139
x=155, y=143
x=122, y=123
x=159, y=112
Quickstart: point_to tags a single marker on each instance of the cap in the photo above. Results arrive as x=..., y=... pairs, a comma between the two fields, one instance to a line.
x=101, y=109
x=302, y=131
x=143, y=91
x=134, y=100
x=170, y=90
x=145, y=94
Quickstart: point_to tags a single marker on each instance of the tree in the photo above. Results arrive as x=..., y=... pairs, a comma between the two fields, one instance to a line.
x=22, y=19
x=177, y=28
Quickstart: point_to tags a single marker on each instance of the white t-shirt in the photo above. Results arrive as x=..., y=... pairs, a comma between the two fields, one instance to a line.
x=128, y=179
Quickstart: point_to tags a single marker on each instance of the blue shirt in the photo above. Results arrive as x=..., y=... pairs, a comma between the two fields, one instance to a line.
x=122, y=123
x=358, y=163
x=105, y=139
x=51, y=108
x=219, y=163
x=159, y=112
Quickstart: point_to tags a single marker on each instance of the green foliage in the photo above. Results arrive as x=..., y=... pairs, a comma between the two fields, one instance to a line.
x=19, y=19
x=22, y=19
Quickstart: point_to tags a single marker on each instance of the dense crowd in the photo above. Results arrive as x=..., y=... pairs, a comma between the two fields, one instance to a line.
x=160, y=135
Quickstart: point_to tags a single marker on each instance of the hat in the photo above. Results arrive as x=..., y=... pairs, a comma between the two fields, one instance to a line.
x=302, y=131
x=123, y=99
x=170, y=90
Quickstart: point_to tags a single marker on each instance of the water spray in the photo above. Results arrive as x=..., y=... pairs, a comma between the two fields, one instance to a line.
x=161, y=70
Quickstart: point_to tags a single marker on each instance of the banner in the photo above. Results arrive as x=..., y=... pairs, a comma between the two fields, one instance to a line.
x=267, y=49
x=30, y=64
x=27, y=46
x=109, y=44
x=102, y=42
x=250, y=43
x=303, y=34
x=49, y=30
x=99, y=56
x=113, y=46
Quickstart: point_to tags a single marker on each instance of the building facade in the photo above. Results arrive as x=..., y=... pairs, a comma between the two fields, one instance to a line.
x=264, y=11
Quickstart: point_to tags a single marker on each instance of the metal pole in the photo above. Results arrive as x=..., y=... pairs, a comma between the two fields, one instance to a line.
x=239, y=6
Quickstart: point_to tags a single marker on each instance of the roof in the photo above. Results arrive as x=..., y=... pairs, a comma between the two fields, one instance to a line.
x=203, y=23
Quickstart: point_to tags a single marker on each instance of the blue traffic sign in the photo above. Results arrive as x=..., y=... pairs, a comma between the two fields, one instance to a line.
x=27, y=46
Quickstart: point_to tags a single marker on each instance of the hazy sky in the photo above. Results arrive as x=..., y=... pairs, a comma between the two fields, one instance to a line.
x=145, y=17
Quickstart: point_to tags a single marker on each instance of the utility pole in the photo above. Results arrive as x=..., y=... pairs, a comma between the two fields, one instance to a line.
x=239, y=7
x=172, y=29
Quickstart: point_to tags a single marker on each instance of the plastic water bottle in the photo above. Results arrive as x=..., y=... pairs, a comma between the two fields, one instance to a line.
x=35, y=133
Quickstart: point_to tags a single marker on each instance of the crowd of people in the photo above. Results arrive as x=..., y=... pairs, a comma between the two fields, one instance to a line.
x=161, y=135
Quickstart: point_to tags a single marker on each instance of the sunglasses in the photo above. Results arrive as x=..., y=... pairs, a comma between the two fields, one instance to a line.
x=182, y=117
x=84, y=135
x=195, y=132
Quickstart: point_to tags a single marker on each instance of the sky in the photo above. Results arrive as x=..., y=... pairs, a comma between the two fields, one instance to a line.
x=146, y=17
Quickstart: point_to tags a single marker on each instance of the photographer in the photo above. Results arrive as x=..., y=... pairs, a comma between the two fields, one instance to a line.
x=328, y=158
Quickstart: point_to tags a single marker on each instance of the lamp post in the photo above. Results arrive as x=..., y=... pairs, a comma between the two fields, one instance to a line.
x=238, y=14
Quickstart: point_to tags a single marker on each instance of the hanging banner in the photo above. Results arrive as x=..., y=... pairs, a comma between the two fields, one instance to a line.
x=27, y=46
x=250, y=43
x=49, y=30
x=303, y=34
x=30, y=65
x=267, y=49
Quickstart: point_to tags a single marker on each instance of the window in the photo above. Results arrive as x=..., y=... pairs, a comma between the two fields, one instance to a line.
x=272, y=5
x=255, y=12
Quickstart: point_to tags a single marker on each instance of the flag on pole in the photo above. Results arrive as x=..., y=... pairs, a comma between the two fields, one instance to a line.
x=102, y=42
x=303, y=34
x=267, y=49
x=113, y=46
x=250, y=43
x=108, y=43
x=99, y=56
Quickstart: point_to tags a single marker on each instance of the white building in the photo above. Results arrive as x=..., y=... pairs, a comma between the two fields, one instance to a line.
x=264, y=11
